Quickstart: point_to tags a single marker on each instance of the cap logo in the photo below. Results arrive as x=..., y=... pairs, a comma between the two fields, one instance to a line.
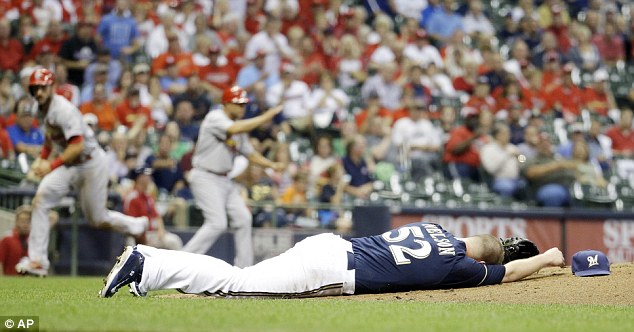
x=592, y=261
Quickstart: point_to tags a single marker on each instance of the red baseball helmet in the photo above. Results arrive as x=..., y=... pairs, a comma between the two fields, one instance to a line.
x=235, y=95
x=42, y=76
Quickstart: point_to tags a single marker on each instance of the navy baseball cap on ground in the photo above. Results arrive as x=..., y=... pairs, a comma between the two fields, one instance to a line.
x=588, y=263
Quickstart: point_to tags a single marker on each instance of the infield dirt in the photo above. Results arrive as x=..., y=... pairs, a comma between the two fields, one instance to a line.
x=549, y=286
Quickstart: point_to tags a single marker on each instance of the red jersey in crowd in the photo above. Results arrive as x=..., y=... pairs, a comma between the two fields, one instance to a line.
x=140, y=204
x=12, y=248
x=128, y=114
x=621, y=141
x=456, y=136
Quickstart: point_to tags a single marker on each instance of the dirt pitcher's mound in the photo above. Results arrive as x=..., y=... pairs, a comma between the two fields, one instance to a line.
x=549, y=286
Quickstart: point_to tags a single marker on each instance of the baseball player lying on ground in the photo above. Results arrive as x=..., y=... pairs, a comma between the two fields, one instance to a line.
x=413, y=257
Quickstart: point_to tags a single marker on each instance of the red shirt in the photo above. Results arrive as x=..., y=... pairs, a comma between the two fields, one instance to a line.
x=610, y=47
x=184, y=62
x=52, y=45
x=481, y=103
x=127, y=115
x=5, y=143
x=139, y=204
x=12, y=54
x=221, y=77
x=12, y=248
x=457, y=136
x=312, y=77
x=621, y=142
x=599, y=98
x=570, y=98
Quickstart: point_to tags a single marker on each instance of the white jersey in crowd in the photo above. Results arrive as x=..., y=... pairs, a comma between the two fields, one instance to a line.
x=63, y=121
x=296, y=98
x=215, y=151
x=500, y=161
x=415, y=133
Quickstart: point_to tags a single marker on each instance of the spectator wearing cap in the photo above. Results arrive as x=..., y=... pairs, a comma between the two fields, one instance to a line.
x=475, y=22
x=294, y=96
x=567, y=98
x=114, y=69
x=481, y=98
x=10, y=48
x=444, y=22
x=273, y=42
x=461, y=152
x=79, y=51
x=21, y=88
x=52, y=41
x=549, y=178
x=140, y=203
x=171, y=82
x=584, y=54
x=102, y=108
x=174, y=56
x=598, y=97
x=252, y=77
x=100, y=76
x=218, y=75
x=421, y=51
x=25, y=137
x=118, y=31
x=196, y=94
x=131, y=109
x=499, y=160
x=622, y=135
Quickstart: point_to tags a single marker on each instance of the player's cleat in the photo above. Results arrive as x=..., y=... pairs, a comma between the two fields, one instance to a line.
x=134, y=290
x=28, y=267
x=129, y=268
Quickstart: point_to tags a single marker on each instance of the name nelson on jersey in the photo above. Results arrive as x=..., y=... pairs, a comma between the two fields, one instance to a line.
x=445, y=248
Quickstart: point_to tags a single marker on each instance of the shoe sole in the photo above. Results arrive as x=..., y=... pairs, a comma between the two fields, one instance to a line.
x=107, y=283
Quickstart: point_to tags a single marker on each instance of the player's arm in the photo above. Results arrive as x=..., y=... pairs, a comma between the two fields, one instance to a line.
x=244, y=126
x=522, y=268
x=71, y=153
x=260, y=160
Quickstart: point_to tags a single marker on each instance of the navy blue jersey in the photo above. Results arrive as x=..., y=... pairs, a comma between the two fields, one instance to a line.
x=417, y=256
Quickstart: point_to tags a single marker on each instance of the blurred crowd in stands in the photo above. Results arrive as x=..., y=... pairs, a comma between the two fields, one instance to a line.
x=530, y=100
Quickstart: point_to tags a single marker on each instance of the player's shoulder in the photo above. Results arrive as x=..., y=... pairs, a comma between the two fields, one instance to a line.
x=61, y=104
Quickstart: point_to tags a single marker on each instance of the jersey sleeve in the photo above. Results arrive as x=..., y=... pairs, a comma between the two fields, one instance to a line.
x=71, y=123
x=469, y=273
x=245, y=146
x=219, y=126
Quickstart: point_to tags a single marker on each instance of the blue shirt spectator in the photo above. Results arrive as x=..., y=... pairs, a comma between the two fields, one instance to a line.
x=428, y=12
x=118, y=29
x=444, y=22
x=24, y=136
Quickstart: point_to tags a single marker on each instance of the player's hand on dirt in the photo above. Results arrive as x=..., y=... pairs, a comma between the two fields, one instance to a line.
x=555, y=257
x=41, y=168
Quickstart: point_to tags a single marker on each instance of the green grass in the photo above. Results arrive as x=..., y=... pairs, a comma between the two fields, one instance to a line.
x=72, y=304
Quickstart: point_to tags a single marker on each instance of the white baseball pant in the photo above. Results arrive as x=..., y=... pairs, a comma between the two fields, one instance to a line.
x=316, y=266
x=91, y=181
x=219, y=197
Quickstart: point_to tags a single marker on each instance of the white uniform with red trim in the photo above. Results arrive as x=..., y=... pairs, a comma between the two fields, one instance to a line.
x=88, y=175
x=216, y=194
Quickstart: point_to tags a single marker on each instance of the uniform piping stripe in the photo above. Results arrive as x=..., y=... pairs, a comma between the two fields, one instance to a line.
x=486, y=272
x=278, y=295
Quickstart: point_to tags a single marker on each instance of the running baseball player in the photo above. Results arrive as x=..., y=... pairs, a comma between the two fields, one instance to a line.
x=413, y=257
x=80, y=164
x=221, y=138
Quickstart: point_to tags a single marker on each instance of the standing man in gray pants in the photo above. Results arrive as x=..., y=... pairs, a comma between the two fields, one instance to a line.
x=222, y=137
